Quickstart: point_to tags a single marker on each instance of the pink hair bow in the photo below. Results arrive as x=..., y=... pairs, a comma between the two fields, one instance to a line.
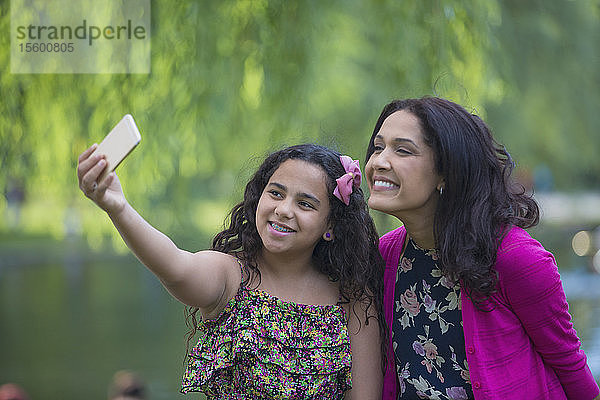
x=347, y=182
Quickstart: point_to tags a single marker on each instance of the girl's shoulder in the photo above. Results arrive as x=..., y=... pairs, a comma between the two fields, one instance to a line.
x=221, y=266
x=221, y=263
x=213, y=257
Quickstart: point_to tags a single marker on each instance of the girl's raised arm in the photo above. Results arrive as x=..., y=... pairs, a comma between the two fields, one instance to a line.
x=205, y=279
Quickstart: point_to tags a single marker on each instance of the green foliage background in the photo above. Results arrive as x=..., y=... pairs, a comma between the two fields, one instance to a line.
x=230, y=81
x=234, y=79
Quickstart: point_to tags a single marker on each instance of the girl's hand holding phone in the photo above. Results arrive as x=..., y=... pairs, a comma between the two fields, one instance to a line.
x=96, y=165
x=107, y=193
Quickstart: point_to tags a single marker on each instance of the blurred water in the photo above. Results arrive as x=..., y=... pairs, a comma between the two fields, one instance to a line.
x=66, y=327
x=583, y=295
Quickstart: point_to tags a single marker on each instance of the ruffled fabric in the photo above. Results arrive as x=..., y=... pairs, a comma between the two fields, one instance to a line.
x=263, y=347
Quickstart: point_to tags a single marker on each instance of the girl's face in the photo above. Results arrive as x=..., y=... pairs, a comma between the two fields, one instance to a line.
x=401, y=172
x=293, y=209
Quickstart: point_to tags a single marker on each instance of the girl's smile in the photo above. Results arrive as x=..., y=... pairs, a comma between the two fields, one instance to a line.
x=280, y=228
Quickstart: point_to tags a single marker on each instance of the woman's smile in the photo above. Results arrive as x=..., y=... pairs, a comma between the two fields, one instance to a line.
x=383, y=184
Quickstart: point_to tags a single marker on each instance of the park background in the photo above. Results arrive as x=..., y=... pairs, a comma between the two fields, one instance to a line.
x=231, y=80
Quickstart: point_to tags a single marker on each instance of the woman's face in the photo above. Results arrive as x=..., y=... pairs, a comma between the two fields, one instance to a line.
x=401, y=172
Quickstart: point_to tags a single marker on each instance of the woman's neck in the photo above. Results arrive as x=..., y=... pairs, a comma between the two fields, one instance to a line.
x=420, y=230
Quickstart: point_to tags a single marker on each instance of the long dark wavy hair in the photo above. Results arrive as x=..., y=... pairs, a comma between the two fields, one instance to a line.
x=352, y=258
x=480, y=200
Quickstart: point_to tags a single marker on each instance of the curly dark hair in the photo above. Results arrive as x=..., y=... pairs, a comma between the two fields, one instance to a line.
x=480, y=201
x=352, y=258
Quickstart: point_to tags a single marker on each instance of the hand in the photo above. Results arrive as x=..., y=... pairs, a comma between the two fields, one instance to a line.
x=107, y=194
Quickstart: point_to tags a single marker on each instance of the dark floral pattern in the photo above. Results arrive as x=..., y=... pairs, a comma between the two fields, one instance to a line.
x=428, y=338
x=261, y=347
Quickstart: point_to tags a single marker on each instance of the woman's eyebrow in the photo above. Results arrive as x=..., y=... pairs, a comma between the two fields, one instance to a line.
x=399, y=140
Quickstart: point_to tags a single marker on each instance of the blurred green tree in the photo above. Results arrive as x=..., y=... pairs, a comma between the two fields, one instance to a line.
x=231, y=80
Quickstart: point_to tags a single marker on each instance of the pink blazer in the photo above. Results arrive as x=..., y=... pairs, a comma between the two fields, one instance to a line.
x=525, y=347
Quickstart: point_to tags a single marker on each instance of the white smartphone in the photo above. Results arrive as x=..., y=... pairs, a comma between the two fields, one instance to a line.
x=119, y=142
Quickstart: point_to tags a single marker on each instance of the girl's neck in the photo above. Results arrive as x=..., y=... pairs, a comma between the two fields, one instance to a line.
x=282, y=267
x=297, y=280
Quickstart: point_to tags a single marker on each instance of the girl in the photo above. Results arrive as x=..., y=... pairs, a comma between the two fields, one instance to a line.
x=475, y=305
x=288, y=288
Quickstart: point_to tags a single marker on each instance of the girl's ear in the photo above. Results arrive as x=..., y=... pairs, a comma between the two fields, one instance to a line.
x=328, y=235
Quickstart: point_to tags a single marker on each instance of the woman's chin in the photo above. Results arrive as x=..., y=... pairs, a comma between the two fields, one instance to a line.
x=377, y=203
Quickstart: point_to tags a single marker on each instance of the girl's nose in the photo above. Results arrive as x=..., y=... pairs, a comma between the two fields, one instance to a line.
x=284, y=209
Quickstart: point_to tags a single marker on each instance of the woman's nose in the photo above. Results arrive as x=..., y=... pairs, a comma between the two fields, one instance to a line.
x=379, y=161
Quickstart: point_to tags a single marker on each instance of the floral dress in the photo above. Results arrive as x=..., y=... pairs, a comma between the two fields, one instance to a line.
x=261, y=347
x=428, y=338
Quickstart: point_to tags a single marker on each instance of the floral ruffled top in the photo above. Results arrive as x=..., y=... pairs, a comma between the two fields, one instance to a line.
x=428, y=337
x=261, y=347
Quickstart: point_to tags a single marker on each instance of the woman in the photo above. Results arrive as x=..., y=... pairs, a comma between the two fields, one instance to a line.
x=475, y=305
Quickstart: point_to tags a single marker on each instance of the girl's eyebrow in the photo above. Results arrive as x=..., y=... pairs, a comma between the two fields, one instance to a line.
x=399, y=140
x=302, y=195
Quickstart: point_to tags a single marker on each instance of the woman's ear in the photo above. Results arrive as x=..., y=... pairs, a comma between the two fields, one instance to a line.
x=441, y=186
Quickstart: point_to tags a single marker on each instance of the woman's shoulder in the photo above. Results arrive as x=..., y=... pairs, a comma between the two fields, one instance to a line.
x=519, y=254
x=392, y=239
x=518, y=243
